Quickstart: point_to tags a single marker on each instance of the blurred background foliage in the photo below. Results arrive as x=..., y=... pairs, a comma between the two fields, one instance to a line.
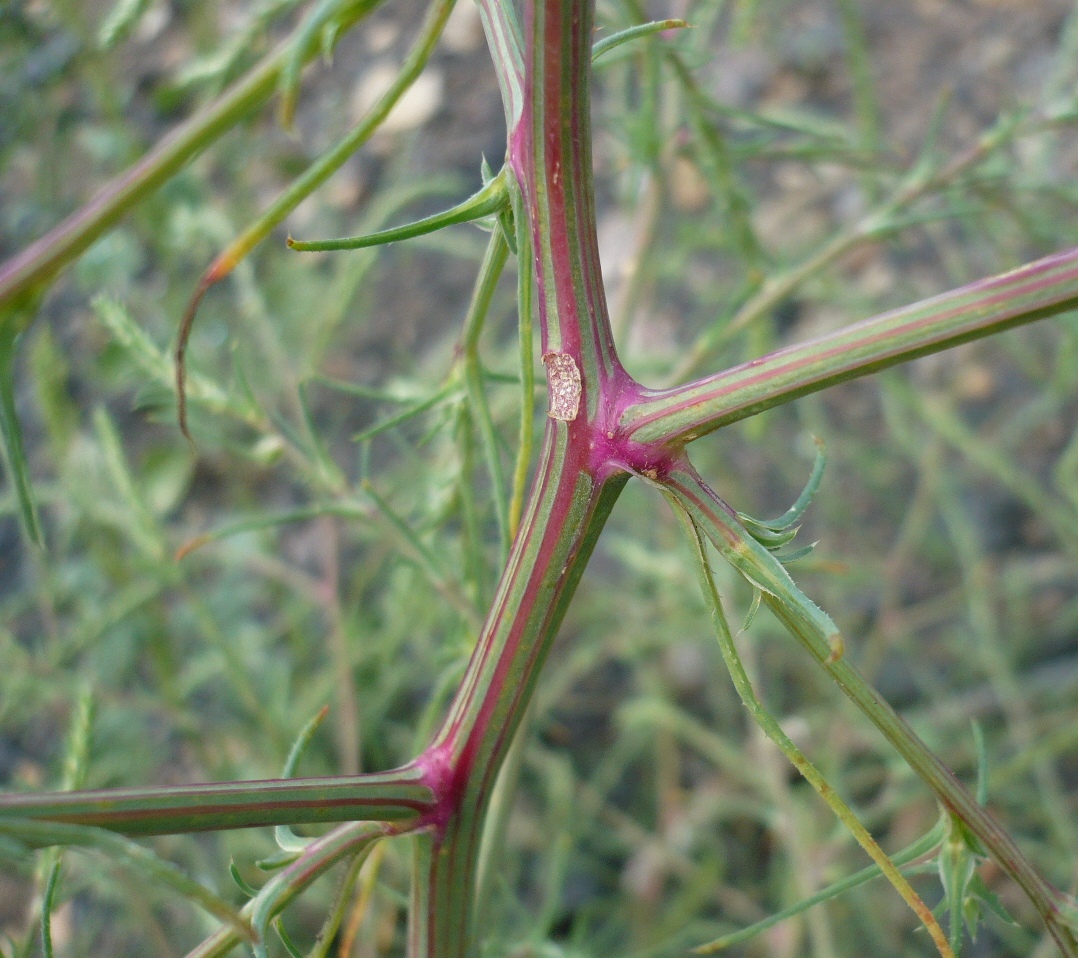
x=755, y=188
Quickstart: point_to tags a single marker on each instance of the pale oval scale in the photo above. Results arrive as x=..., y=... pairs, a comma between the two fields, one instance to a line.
x=563, y=382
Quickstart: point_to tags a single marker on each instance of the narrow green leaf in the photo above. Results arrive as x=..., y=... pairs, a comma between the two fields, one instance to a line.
x=277, y=860
x=129, y=853
x=981, y=749
x=50, y=373
x=286, y=939
x=288, y=840
x=78, y=742
x=354, y=840
x=818, y=634
x=956, y=869
x=153, y=361
x=139, y=522
x=389, y=395
x=472, y=573
x=443, y=394
x=328, y=932
x=491, y=199
x=787, y=557
x=991, y=900
x=773, y=730
x=424, y=557
x=754, y=607
x=502, y=29
x=302, y=741
x=486, y=282
x=47, y=906
x=301, y=47
x=860, y=68
x=327, y=466
x=14, y=453
x=306, y=183
x=120, y=21
x=764, y=534
x=345, y=509
x=249, y=890
x=797, y=510
x=923, y=846
x=74, y=774
x=778, y=531
x=604, y=46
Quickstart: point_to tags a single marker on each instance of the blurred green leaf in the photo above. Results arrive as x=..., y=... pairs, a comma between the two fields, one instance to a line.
x=15, y=462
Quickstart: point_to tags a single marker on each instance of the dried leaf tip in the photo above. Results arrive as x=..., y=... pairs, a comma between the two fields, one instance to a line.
x=563, y=382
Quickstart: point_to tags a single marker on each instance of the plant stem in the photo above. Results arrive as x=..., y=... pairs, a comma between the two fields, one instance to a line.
x=525, y=283
x=1043, y=288
x=37, y=265
x=817, y=634
x=572, y=493
x=594, y=440
x=306, y=183
x=770, y=726
x=489, y=273
x=356, y=838
x=396, y=796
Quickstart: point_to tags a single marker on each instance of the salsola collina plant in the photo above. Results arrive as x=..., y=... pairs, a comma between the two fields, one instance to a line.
x=602, y=429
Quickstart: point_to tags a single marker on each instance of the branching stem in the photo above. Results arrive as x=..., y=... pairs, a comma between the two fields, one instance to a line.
x=603, y=427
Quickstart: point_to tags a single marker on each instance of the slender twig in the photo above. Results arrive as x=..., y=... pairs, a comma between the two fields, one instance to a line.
x=818, y=634
x=305, y=184
x=38, y=264
x=773, y=730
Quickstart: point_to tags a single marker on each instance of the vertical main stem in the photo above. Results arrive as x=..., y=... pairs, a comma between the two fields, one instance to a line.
x=550, y=154
x=572, y=494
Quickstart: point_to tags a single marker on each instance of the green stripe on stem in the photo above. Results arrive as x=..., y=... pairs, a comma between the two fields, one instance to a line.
x=1043, y=288
x=550, y=151
x=559, y=530
x=400, y=795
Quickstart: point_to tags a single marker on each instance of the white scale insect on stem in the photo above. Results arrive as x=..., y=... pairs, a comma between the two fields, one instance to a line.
x=563, y=382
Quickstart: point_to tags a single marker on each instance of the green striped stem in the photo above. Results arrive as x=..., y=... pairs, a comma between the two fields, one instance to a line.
x=550, y=153
x=575, y=486
x=37, y=265
x=398, y=796
x=679, y=415
x=817, y=633
x=347, y=841
x=506, y=50
x=774, y=731
x=561, y=524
